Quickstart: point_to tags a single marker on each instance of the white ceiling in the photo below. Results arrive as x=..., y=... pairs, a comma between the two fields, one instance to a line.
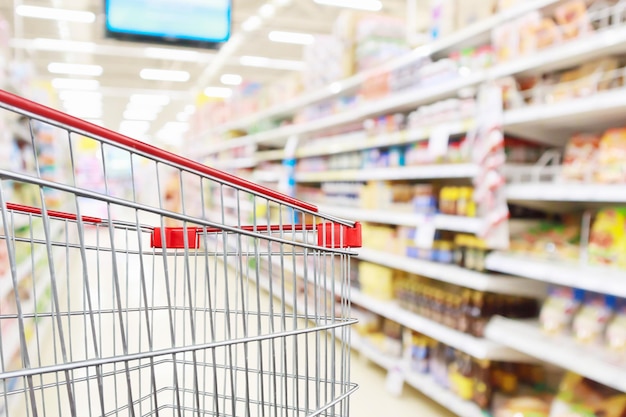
x=122, y=61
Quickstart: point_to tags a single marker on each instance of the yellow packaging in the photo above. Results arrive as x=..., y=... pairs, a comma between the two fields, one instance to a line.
x=377, y=281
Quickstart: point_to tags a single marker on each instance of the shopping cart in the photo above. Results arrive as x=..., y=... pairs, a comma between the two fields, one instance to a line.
x=208, y=295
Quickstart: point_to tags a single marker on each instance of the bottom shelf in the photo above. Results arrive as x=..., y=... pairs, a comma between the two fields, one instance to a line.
x=560, y=350
x=421, y=382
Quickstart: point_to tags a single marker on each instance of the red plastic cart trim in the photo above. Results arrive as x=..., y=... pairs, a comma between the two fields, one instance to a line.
x=329, y=235
x=79, y=124
x=51, y=213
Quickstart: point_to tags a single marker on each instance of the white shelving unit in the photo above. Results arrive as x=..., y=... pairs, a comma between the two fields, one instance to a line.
x=571, y=274
x=562, y=351
x=423, y=383
x=567, y=192
x=455, y=275
x=476, y=347
x=424, y=172
x=441, y=221
x=474, y=34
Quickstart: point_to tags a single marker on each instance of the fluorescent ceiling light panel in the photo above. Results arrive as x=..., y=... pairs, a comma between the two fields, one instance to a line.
x=75, y=69
x=75, y=84
x=140, y=115
x=267, y=10
x=164, y=75
x=251, y=24
x=291, y=37
x=263, y=62
x=369, y=5
x=172, y=54
x=218, y=92
x=135, y=126
x=55, y=14
x=58, y=45
x=231, y=79
x=82, y=96
x=150, y=99
x=175, y=127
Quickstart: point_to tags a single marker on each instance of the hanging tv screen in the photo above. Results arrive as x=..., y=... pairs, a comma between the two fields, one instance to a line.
x=200, y=23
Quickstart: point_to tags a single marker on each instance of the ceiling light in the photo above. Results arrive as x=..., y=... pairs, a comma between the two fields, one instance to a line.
x=164, y=75
x=175, y=127
x=251, y=24
x=75, y=84
x=267, y=10
x=263, y=62
x=140, y=115
x=291, y=37
x=134, y=127
x=231, y=79
x=55, y=14
x=369, y=5
x=172, y=54
x=154, y=99
x=59, y=45
x=190, y=109
x=83, y=96
x=143, y=108
x=218, y=92
x=75, y=69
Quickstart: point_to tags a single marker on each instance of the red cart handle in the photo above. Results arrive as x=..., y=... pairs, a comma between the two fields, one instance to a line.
x=94, y=130
x=329, y=235
x=55, y=214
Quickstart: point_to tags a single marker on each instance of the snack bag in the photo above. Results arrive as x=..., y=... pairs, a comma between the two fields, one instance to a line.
x=582, y=397
x=573, y=19
x=593, y=317
x=616, y=329
x=611, y=157
x=607, y=242
x=559, y=309
x=580, y=157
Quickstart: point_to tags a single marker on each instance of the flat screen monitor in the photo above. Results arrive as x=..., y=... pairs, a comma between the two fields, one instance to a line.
x=200, y=23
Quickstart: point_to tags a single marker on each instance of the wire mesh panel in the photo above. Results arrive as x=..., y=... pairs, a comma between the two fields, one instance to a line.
x=207, y=295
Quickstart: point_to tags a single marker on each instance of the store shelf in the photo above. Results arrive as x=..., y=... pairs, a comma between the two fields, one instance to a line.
x=455, y=275
x=360, y=140
x=560, y=350
x=477, y=347
x=567, y=192
x=421, y=382
x=473, y=35
x=603, y=43
x=423, y=172
x=442, y=221
x=554, y=123
x=571, y=274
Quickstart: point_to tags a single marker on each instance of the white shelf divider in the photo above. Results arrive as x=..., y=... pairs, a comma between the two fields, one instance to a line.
x=477, y=347
x=442, y=221
x=414, y=172
x=572, y=274
x=456, y=275
x=567, y=192
x=561, y=350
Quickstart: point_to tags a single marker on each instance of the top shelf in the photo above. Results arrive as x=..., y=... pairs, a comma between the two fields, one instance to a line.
x=602, y=43
x=472, y=35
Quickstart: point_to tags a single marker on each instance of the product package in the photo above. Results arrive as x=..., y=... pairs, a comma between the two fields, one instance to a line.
x=607, y=242
x=592, y=318
x=582, y=397
x=611, y=157
x=559, y=309
x=580, y=159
